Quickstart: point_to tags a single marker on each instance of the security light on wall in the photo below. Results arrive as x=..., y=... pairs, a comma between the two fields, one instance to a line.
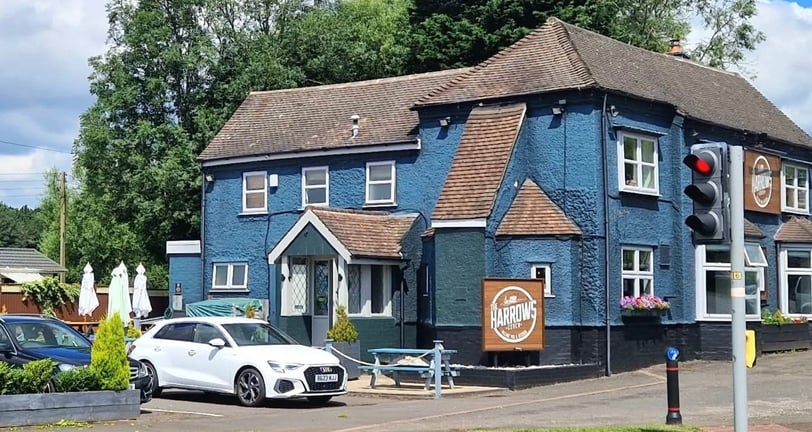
x=559, y=108
x=209, y=178
x=445, y=121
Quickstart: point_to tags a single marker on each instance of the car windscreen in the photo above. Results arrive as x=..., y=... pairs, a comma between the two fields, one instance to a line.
x=46, y=334
x=247, y=334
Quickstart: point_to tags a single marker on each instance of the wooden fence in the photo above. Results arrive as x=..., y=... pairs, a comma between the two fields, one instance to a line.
x=11, y=300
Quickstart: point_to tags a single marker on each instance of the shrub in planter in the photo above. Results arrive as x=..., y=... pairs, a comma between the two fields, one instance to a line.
x=77, y=380
x=345, y=337
x=108, y=357
x=33, y=377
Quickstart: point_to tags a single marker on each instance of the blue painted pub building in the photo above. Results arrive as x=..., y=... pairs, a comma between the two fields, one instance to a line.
x=559, y=158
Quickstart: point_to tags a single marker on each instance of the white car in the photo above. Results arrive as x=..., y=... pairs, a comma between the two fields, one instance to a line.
x=242, y=356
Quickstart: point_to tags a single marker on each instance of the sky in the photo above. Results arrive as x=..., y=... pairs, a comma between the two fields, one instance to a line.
x=45, y=46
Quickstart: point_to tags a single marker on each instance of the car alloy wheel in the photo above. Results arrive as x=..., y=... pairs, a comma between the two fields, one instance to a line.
x=250, y=387
x=153, y=379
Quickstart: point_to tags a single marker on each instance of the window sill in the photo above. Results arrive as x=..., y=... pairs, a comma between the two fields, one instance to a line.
x=380, y=205
x=249, y=214
x=229, y=290
x=727, y=319
x=804, y=212
x=549, y=295
x=371, y=316
x=644, y=192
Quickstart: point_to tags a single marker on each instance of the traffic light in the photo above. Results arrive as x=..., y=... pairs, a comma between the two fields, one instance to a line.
x=708, y=191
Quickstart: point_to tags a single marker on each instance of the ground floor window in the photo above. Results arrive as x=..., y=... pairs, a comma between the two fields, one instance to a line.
x=230, y=276
x=796, y=280
x=638, y=271
x=369, y=290
x=713, y=281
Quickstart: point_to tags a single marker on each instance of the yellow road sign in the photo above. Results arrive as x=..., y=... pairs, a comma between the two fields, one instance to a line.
x=736, y=275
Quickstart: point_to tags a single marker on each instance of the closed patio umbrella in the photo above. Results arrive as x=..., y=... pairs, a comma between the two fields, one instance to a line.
x=88, y=301
x=141, y=303
x=118, y=298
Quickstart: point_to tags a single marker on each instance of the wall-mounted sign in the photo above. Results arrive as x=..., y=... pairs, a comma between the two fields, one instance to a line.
x=762, y=182
x=512, y=314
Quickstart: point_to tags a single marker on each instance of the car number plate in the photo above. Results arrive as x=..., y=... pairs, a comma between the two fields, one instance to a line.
x=326, y=378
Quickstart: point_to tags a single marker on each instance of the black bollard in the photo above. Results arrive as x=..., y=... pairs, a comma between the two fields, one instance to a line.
x=672, y=375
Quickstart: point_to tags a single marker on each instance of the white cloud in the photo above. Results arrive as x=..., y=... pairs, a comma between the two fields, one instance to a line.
x=45, y=48
x=781, y=63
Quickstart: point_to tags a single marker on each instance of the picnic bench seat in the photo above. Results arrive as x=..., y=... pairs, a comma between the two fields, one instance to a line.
x=426, y=371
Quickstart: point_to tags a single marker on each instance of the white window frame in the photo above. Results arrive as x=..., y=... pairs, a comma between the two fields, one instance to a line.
x=636, y=274
x=229, y=286
x=702, y=267
x=638, y=163
x=391, y=182
x=325, y=186
x=246, y=192
x=290, y=276
x=548, y=289
x=796, y=189
x=366, y=291
x=784, y=271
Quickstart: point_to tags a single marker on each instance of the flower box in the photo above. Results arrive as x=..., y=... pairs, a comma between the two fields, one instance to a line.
x=642, y=312
x=783, y=337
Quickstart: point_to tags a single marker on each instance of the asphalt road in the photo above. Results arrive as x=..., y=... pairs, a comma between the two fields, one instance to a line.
x=779, y=392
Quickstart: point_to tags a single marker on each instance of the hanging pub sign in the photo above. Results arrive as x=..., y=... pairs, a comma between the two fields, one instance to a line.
x=512, y=314
x=762, y=180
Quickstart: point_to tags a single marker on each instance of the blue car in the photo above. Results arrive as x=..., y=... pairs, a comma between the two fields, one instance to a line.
x=25, y=338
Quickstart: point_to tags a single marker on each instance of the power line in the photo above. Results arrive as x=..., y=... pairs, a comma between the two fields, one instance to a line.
x=30, y=173
x=34, y=147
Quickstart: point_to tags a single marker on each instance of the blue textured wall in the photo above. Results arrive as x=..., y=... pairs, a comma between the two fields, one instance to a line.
x=185, y=270
x=460, y=261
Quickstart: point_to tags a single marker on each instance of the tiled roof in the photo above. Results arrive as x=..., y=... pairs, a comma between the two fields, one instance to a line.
x=797, y=230
x=560, y=56
x=480, y=162
x=27, y=259
x=534, y=213
x=318, y=118
x=752, y=231
x=366, y=233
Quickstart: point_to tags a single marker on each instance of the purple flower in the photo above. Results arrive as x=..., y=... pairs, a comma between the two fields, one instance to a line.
x=644, y=302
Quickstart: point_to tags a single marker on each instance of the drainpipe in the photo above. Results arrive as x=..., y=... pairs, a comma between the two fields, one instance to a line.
x=606, y=237
x=203, y=239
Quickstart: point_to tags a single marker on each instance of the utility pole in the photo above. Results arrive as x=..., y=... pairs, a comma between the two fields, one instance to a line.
x=63, y=209
x=737, y=290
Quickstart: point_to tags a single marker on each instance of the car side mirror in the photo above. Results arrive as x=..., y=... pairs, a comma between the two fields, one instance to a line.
x=217, y=342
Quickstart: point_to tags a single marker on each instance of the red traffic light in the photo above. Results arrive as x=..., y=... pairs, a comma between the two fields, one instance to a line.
x=702, y=164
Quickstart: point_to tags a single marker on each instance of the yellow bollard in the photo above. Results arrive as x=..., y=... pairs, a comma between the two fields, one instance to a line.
x=750, y=347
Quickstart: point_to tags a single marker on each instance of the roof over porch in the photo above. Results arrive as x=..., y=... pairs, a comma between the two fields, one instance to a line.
x=352, y=234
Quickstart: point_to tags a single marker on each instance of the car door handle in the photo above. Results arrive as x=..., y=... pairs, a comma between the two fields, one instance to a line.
x=192, y=352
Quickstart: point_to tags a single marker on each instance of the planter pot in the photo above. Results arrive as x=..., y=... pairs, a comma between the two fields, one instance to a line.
x=783, y=337
x=643, y=313
x=352, y=350
x=46, y=408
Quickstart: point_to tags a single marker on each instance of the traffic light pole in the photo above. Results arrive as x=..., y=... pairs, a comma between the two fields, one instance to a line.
x=737, y=291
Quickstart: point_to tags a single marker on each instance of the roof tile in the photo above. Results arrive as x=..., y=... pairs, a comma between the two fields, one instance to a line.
x=318, y=118
x=28, y=259
x=796, y=229
x=559, y=56
x=534, y=213
x=480, y=162
x=366, y=233
x=752, y=231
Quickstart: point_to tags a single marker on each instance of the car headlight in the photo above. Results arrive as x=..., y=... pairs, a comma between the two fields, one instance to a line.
x=283, y=367
x=64, y=367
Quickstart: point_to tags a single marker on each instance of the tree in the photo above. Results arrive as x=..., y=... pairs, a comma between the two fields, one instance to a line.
x=19, y=228
x=453, y=34
x=731, y=32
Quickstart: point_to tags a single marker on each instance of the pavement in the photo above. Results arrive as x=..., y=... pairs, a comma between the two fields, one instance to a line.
x=779, y=395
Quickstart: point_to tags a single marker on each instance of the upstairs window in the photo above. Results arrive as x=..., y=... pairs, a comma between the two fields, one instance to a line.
x=795, y=189
x=380, y=187
x=315, y=186
x=638, y=272
x=254, y=192
x=638, y=164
